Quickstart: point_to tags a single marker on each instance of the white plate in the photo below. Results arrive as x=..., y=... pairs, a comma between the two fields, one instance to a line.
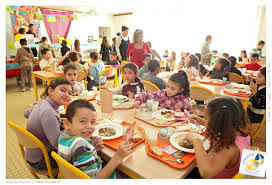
x=175, y=136
x=157, y=115
x=118, y=128
x=217, y=81
x=241, y=86
x=239, y=91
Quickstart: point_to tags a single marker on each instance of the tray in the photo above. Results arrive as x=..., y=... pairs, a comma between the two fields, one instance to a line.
x=235, y=94
x=188, y=158
x=212, y=83
x=154, y=123
x=114, y=143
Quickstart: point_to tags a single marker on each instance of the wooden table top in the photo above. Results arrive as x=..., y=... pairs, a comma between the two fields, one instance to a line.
x=46, y=74
x=136, y=162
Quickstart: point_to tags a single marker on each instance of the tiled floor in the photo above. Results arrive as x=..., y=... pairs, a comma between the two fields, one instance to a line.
x=16, y=103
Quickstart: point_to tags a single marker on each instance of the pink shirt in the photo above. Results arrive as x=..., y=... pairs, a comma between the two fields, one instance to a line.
x=137, y=54
x=167, y=102
x=242, y=142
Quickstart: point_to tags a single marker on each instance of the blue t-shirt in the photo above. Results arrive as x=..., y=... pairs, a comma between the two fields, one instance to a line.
x=143, y=70
x=96, y=70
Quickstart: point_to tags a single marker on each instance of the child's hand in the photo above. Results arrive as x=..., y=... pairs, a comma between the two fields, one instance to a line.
x=253, y=87
x=98, y=143
x=177, y=108
x=130, y=94
x=136, y=104
x=190, y=137
x=199, y=120
x=123, y=150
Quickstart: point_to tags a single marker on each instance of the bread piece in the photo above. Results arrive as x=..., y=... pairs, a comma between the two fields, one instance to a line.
x=156, y=150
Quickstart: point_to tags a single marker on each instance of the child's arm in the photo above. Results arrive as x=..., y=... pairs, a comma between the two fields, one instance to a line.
x=17, y=58
x=93, y=72
x=59, y=61
x=122, y=151
x=143, y=97
x=210, y=166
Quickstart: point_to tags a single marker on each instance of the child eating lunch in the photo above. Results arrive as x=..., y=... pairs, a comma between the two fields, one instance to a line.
x=133, y=84
x=220, y=70
x=225, y=121
x=174, y=97
x=70, y=72
x=48, y=59
x=77, y=145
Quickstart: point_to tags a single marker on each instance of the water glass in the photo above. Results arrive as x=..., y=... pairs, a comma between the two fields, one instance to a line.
x=155, y=106
x=224, y=80
x=163, y=136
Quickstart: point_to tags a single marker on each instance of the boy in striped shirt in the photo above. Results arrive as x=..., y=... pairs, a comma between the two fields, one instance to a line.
x=77, y=146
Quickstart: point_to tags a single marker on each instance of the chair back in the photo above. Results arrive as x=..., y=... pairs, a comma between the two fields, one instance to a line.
x=173, y=66
x=233, y=77
x=262, y=62
x=123, y=63
x=82, y=75
x=67, y=170
x=108, y=72
x=28, y=140
x=149, y=86
x=256, y=133
x=201, y=93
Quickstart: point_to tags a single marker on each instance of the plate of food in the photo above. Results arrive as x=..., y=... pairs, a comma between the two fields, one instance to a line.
x=241, y=86
x=216, y=81
x=240, y=91
x=178, y=141
x=117, y=98
x=165, y=115
x=108, y=131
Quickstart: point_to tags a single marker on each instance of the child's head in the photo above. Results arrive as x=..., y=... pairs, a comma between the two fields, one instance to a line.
x=261, y=76
x=77, y=45
x=59, y=91
x=243, y=54
x=73, y=57
x=113, y=56
x=146, y=59
x=254, y=58
x=232, y=60
x=225, y=55
x=178, y=83
x=31, y=27
x=173, y=54
x=94, y=56
x=154, y=66
x=44, y=40
x=80, y=118
x=261, y=44
x=222, y=64
x=209, y=39
x=22, y=31
x=64, y=43
x=70, y=72
x=192, y=61
x=131, y=72
x=46, y=53
x=23, y=42
x=224, y=117
x=166, y=53
x=198, y=56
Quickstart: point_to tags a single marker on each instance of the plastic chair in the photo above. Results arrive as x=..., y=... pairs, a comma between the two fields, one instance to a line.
x=28, y=140
x=67, y=170
x=262, y=62
x=254, y=135
x=202, y=94
x=171, y=66
x=82, y=75
x=109, y=72
x=123, y=63
x=233, y=77
x=149, y=86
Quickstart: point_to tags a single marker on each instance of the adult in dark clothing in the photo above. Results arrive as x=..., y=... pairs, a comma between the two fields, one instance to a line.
x=105, y=49
x=122, y=43
x=233, y=69
x=64, y=50
x=31, y=31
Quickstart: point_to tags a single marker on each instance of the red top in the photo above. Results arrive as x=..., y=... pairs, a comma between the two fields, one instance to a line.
x=254, y=67
x=137, y=54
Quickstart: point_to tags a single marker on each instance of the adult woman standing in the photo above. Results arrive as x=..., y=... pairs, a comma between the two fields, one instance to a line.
x=138, y=48
x=105, y=49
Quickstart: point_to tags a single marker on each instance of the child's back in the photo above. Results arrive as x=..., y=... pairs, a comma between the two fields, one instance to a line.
x=96, y=70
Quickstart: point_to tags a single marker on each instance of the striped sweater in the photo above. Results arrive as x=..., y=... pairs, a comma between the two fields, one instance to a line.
x=79, y=152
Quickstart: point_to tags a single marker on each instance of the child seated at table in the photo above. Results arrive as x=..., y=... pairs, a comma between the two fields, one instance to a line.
x=144, y=69
x=170, y=61
x=174, y=97
x=233, y=69
x=192, y=64
x=112, y=60
x=77, y=145
x=203, y=71
x=74, y=59
x=243, y=57
x=154, y=68
x=221, y=69
x=97, y=68
x=25, y=59
x=46, y=45
x=64, y=49
x=165, y=54
x=71, y=72
x=225, y=55
x=132, y=84
x=48, y=60
x=257, y=102
x=225, y=121
x=253, y=65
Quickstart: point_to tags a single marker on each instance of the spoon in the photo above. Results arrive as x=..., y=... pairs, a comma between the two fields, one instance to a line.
x=196, y=124
x=177, y=160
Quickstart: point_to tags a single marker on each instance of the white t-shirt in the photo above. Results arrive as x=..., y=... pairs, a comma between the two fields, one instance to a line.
x=46, y=63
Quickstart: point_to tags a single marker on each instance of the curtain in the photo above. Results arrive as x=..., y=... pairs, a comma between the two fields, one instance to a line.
x=260, y=27
x=59, y=27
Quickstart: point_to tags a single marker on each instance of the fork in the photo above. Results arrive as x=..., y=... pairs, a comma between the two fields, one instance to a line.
x=189, y=114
